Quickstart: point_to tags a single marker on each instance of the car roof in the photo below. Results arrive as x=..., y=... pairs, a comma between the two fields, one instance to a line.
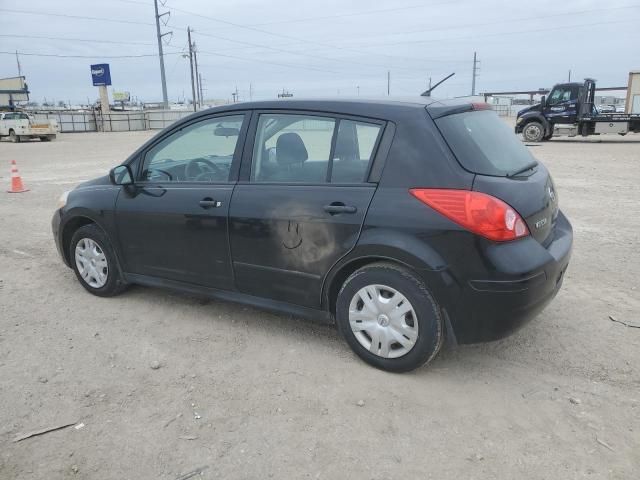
x=376, y=107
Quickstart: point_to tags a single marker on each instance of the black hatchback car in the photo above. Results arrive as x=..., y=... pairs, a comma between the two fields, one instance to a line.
x=402, y=222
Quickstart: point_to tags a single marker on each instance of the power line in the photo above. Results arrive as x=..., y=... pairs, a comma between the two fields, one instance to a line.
x=497, y=34
x=30, y=54
x=493, y=22
x=253, y=60
x=77, y=17
x=78, y=40
x=266, y=32
x=353, y=14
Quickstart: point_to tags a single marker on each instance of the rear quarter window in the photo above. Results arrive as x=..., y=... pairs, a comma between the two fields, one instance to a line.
x=483, y=143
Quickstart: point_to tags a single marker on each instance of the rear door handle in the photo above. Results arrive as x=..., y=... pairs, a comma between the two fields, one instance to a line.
x=338, y=207
x=207, y=203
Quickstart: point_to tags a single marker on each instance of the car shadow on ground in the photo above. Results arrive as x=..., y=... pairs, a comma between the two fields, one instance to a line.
x=460, y=360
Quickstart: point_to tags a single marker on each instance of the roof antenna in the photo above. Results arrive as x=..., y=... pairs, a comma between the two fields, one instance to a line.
x=427, y=93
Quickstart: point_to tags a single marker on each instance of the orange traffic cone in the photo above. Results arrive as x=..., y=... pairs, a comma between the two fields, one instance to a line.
x=16, y=181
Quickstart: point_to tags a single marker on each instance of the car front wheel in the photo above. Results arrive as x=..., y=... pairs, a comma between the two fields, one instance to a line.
x=389, y=318
x=94, y=262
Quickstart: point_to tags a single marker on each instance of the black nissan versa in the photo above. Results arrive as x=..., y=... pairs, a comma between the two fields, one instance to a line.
x=402, y=221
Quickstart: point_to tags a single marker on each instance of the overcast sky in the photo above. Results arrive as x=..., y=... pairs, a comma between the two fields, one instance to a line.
x=318, y=48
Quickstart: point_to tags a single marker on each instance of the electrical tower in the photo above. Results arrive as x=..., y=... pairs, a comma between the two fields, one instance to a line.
x=475, y=74
x=163, y=79
x=193, y=82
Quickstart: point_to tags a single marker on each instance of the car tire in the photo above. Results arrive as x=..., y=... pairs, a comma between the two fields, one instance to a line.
x=373, y=334
x=45, y=138
x=13, y=137
x=94, y=262
x=533, y=132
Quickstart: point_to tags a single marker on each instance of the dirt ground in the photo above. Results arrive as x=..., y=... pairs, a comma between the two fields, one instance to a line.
x=247, y=394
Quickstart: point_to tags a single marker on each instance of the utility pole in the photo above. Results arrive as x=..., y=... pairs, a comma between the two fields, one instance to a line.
x=388, y=82
x=201, y=89
x=250, y=91
x=358, y=88
x=475, y=74
x=195, y=62
x=163, y=79
x=18, y=62
x=193, y=83
x=569, y=75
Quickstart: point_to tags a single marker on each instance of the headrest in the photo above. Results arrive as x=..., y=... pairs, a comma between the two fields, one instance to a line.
x=346, y=149
x=290, y=149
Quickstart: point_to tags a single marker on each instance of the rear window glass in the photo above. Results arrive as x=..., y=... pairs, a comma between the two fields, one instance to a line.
x=483, y=143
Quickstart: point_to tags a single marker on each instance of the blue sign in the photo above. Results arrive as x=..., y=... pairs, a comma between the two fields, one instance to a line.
x=100, y=74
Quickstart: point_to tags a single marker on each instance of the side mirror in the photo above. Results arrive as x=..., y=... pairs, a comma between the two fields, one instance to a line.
x=543, y=101
x=121, y=175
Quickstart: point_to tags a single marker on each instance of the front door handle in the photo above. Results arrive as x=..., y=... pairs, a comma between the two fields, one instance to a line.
x=208, y=202
x=338, y=207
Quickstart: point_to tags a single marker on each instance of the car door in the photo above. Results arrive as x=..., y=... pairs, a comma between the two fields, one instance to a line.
x=561, y=107
x=172, y=224
x=300, y=203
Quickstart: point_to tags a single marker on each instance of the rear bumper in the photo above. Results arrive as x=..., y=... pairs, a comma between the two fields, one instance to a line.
x=522, y=278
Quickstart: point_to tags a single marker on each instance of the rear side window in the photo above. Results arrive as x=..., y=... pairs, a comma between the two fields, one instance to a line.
x=354, y=148
x=483, y=143
x=294, y=148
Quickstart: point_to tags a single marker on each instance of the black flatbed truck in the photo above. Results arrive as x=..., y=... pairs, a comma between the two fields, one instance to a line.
x=570, y=110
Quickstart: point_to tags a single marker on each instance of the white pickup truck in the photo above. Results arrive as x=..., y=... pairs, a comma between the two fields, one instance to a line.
x=19, y=126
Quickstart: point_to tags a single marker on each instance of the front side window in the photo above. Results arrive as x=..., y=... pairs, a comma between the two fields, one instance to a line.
x=200, y=152
x=561, y=94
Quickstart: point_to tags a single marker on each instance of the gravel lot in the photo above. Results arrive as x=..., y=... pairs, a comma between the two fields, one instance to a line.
x=249, y=394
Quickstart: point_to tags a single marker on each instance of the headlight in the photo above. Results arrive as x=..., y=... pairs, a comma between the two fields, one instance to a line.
x=62, y=201
x=519, y=120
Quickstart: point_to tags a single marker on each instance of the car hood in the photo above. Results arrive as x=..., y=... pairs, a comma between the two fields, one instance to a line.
x=104, y=180
x=532, y=108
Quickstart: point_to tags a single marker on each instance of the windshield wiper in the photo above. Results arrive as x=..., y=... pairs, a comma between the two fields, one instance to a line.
x=528, y=166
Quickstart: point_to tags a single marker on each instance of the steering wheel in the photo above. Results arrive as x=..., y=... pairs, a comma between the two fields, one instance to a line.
x=199, y=167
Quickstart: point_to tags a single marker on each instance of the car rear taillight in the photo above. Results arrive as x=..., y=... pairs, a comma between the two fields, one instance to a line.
x=477, y=212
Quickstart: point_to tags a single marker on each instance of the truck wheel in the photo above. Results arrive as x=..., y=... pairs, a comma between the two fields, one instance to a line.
x=13, y=137
x=533, y=132
x=548, y=137
x=46, y=138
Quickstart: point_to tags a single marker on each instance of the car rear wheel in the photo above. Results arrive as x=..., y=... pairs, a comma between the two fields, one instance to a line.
x=94, y=262
x=533, y=132
x=389, y=318
x=13, y=137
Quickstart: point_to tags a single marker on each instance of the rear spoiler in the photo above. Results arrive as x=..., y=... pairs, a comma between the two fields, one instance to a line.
x=441, y=109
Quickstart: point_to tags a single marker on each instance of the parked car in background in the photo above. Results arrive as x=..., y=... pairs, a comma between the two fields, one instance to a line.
x=19, y=126
x=606, y=108
x=402, y=222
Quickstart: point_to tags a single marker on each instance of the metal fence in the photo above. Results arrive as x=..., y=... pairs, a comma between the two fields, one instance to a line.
x=114, y=121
